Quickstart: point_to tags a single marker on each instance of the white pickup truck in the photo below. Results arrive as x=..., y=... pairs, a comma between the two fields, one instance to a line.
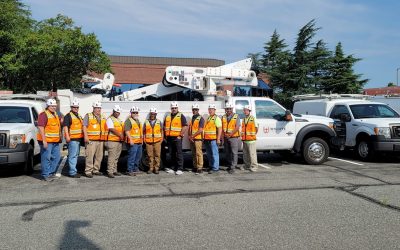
x=367, y=126
x=18, y=144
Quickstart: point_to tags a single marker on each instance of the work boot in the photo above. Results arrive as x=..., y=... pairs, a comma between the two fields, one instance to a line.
x=199, y=171
x=98, y=173
x=75, y=176
x=89, y=175
x=110, y=176
x=156, y=171
x=230, y=171
x=117, y=174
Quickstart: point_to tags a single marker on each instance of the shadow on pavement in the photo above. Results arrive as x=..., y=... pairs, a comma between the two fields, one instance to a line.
x=73, y=239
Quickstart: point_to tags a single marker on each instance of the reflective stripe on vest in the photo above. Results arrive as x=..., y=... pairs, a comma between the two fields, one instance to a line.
x=96, y=131
x=136, y=132
x=194, y=127
x=75, y=130
x=173, y=126
x=249, y=129
x=119, y=126
x=210, y=130
x=153, y=134
x=230, y=126
x=52, y=130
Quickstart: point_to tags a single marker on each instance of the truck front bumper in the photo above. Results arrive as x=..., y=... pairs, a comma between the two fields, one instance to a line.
x=14, y=155
x=380, y=143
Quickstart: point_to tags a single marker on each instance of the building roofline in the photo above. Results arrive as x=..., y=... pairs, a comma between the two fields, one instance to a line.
x=170, y=61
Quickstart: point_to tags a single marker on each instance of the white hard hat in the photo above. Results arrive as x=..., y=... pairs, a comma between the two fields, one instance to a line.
x=174, y=104
x=211, y=106
x=153, y=110
x=195, y=106
x=247, y=107
x=117, y=108
x=134, y=109
x=96, y=105
x=229, y=105
x=51, y=102
x=75, y=103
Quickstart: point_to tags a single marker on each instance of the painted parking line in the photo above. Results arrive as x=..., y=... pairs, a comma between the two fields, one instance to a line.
x=351, y=162
x=62, y=164
x=263, y=166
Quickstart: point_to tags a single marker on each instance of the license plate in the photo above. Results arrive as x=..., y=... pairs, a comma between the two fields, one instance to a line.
x=3, y=159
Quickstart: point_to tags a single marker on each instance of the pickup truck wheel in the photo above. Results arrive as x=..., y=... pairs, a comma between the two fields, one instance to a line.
x=364, y=150
x=144, y=162
x=315, y=151
x=29, y=163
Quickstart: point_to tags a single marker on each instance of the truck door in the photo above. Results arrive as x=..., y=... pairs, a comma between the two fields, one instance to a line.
x=338, y=114
x=274, y=132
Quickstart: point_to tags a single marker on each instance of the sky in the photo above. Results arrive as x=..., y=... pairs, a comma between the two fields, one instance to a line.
x=230, y=29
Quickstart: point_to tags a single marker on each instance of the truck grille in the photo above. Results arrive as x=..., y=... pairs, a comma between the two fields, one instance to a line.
x=396, y=131
x=3, y=139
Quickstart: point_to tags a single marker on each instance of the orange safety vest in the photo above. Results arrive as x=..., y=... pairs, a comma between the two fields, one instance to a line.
x=75, y=130
x=153, y=134
x=97, y=131
x=173, y=127
x=52, y=130
x=136, y=132
x=210, y=130
x=228, y=127
x=119, y=126
x=249, y=129
x=194, y=127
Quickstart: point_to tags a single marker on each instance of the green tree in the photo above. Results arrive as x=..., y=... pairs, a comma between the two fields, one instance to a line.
x=301, y=66
x=342, y=78
x=52, y=53
x=391, y=84
x=256, y=61
x=320, y=63
x=276, y=60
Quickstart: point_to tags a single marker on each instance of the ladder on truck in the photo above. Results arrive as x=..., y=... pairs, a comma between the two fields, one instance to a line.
x=200, y=79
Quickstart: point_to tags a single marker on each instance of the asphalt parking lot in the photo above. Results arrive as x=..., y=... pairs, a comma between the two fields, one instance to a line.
x=341, y=204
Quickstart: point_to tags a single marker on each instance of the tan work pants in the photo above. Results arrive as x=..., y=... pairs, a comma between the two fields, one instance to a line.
x=94, y=156
x=114, y=151
x=154, y=155
x=250, y=155
x=197, y=154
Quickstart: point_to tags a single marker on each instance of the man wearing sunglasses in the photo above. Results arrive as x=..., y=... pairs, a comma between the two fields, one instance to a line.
x=175, y=127
x=73, y=132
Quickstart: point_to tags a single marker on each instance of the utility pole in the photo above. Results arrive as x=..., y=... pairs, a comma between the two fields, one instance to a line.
x=397, y=79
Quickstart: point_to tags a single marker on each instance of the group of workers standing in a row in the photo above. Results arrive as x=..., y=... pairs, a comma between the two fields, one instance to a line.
x=100, y=132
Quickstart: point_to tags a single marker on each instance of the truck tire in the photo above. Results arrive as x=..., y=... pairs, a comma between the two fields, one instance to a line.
x=364, y=149
x=315, y=151
x=29, y=163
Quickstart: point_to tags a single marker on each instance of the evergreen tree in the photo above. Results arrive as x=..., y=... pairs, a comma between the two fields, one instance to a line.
x=342, y=77
x=275, y=61
x=320, y=63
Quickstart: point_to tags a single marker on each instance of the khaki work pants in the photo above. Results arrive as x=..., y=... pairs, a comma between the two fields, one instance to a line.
x=154, y=155
x=197, y=154
x=114, y=151
x=94, y=156
x=250, y=155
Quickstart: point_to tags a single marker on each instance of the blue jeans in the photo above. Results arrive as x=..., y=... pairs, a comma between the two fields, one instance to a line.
x=212, y=154
x=49, y=157
x=73, y=154
x=134, y=156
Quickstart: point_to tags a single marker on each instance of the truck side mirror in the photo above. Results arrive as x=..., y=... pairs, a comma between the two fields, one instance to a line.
x=288, y=116
x=345, y=117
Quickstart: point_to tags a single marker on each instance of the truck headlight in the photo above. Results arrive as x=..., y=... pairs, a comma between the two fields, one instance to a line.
x=332, y=125
x=383, y=131
x=16, y=139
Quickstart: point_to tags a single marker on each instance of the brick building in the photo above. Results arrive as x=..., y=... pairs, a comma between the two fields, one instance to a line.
x=393, y=90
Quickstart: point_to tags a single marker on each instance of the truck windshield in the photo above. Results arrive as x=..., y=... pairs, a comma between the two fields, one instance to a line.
x=10, y=114
x=361, y=111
